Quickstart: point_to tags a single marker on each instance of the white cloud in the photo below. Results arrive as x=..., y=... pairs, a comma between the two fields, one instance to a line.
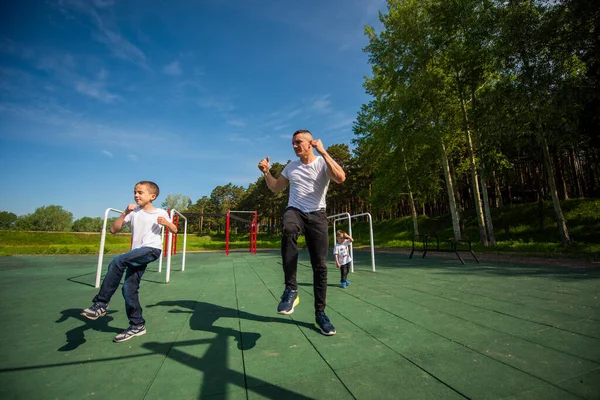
x=104, y=33
x=95, y=90
x=321, y=105
x=107, y=153
x=236, y=122
x=173, y=69
x=132, y=157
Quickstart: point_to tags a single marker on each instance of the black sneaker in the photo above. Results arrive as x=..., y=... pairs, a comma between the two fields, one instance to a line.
x=133, y=330
x=324, y=325
x=289, y=300
x=95, y=311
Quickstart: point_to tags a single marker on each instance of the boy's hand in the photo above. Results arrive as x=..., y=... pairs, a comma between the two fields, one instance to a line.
x=130, y=208
x=162, y=221
x=338, y=266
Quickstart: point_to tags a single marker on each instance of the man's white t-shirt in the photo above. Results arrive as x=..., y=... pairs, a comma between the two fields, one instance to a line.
x=144, y=227
x=341, y=249
x=308, y=184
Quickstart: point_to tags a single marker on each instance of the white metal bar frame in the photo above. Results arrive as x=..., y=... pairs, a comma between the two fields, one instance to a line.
x=170, y=244
x=102, y=241
x=338, y=217
x=370, y=237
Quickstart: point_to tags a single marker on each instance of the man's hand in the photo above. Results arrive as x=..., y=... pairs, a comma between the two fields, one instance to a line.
x=264, y=165
x=318, y=145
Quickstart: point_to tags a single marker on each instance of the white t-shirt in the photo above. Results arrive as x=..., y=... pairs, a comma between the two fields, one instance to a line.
x=144, y=227
x=341, y=249
x=308, y=184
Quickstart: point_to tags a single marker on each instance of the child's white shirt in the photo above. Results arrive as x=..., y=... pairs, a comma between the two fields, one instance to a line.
x=145, y=229
x=341, y=249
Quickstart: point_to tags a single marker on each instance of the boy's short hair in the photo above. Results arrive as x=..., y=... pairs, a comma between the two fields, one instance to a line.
x=153, y=187
x=340, y=233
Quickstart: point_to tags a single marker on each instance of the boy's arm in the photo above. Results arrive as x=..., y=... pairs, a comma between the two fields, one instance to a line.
x=337, y=263
x=119, y=222
x=168, y=224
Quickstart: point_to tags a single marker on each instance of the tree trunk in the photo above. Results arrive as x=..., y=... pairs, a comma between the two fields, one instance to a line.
x=450, y=189
x=475, y=178
x=413, y=209
x=560, y=220
x=486, y=209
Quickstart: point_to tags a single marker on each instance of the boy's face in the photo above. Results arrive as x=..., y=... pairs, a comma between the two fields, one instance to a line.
x=340, y=239
x=142, y=195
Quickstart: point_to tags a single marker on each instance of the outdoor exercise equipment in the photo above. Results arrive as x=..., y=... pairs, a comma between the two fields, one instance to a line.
x=344, y=216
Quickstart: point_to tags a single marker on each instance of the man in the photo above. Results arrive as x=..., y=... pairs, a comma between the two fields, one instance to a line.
x=308, y=179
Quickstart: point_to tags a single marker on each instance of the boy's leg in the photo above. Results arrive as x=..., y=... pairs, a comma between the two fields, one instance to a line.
x=318, y=246
x=117, y=267
x=131, y=287
x=344, y=269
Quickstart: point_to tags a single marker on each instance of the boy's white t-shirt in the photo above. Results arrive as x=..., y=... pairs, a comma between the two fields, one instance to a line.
x=341, y=249
x=145, y=229
x=308, y=184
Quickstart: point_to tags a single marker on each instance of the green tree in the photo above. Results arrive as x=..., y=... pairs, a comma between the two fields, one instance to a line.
x=87, y=224
x=178, y=202
x=7, y=219
x=46, y=218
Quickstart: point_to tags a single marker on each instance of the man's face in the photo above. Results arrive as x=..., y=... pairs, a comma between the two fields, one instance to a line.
x=302, y=144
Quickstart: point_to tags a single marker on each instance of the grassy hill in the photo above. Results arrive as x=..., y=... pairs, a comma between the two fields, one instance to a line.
x=526, y=228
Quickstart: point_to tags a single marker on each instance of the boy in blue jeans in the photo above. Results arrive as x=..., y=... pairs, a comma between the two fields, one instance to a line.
x=342, y=256
x=145, y=221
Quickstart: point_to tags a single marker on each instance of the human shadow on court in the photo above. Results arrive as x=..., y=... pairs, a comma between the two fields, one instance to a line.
x=76, y=336
x=216, y=374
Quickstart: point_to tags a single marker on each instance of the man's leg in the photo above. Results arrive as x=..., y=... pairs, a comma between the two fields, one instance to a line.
x=293, y=225
x=318, y=246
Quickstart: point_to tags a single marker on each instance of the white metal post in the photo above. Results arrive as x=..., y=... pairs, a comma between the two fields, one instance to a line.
x=170, y=244
x=102, y=241
x=350, y=232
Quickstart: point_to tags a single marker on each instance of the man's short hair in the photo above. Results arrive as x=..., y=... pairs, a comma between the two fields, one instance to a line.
x=153, y=187
x=299, y=131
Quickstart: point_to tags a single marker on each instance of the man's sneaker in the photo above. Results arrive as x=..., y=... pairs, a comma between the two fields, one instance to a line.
x=95, y=311
x=133, y=330
x=344, y=284
x=322, y=323
x=289, y=300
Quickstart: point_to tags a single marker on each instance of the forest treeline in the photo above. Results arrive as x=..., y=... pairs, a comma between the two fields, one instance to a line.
x=475, y=105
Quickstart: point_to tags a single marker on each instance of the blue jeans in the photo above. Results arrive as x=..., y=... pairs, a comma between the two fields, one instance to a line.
x=314, y=227
x=135, y=263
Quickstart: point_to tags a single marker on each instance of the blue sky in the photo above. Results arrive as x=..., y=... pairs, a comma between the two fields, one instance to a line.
x=96, y=95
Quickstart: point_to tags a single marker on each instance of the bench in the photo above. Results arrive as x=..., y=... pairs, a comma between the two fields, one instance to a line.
x=431, y=243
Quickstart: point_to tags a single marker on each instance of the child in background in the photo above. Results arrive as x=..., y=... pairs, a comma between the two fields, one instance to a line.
x=342, y=255
x=145, y=221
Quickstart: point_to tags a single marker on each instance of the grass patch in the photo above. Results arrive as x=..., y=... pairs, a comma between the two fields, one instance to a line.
x=527, y=229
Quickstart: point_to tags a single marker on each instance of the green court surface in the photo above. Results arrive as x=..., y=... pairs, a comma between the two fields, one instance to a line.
x=415, y=329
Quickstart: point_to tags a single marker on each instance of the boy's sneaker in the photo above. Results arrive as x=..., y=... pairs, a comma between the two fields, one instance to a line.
x=289, y=300
x=95, y=311
x=133, y=330
x=324, y=325
x=344, y=284
x=347, y=283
